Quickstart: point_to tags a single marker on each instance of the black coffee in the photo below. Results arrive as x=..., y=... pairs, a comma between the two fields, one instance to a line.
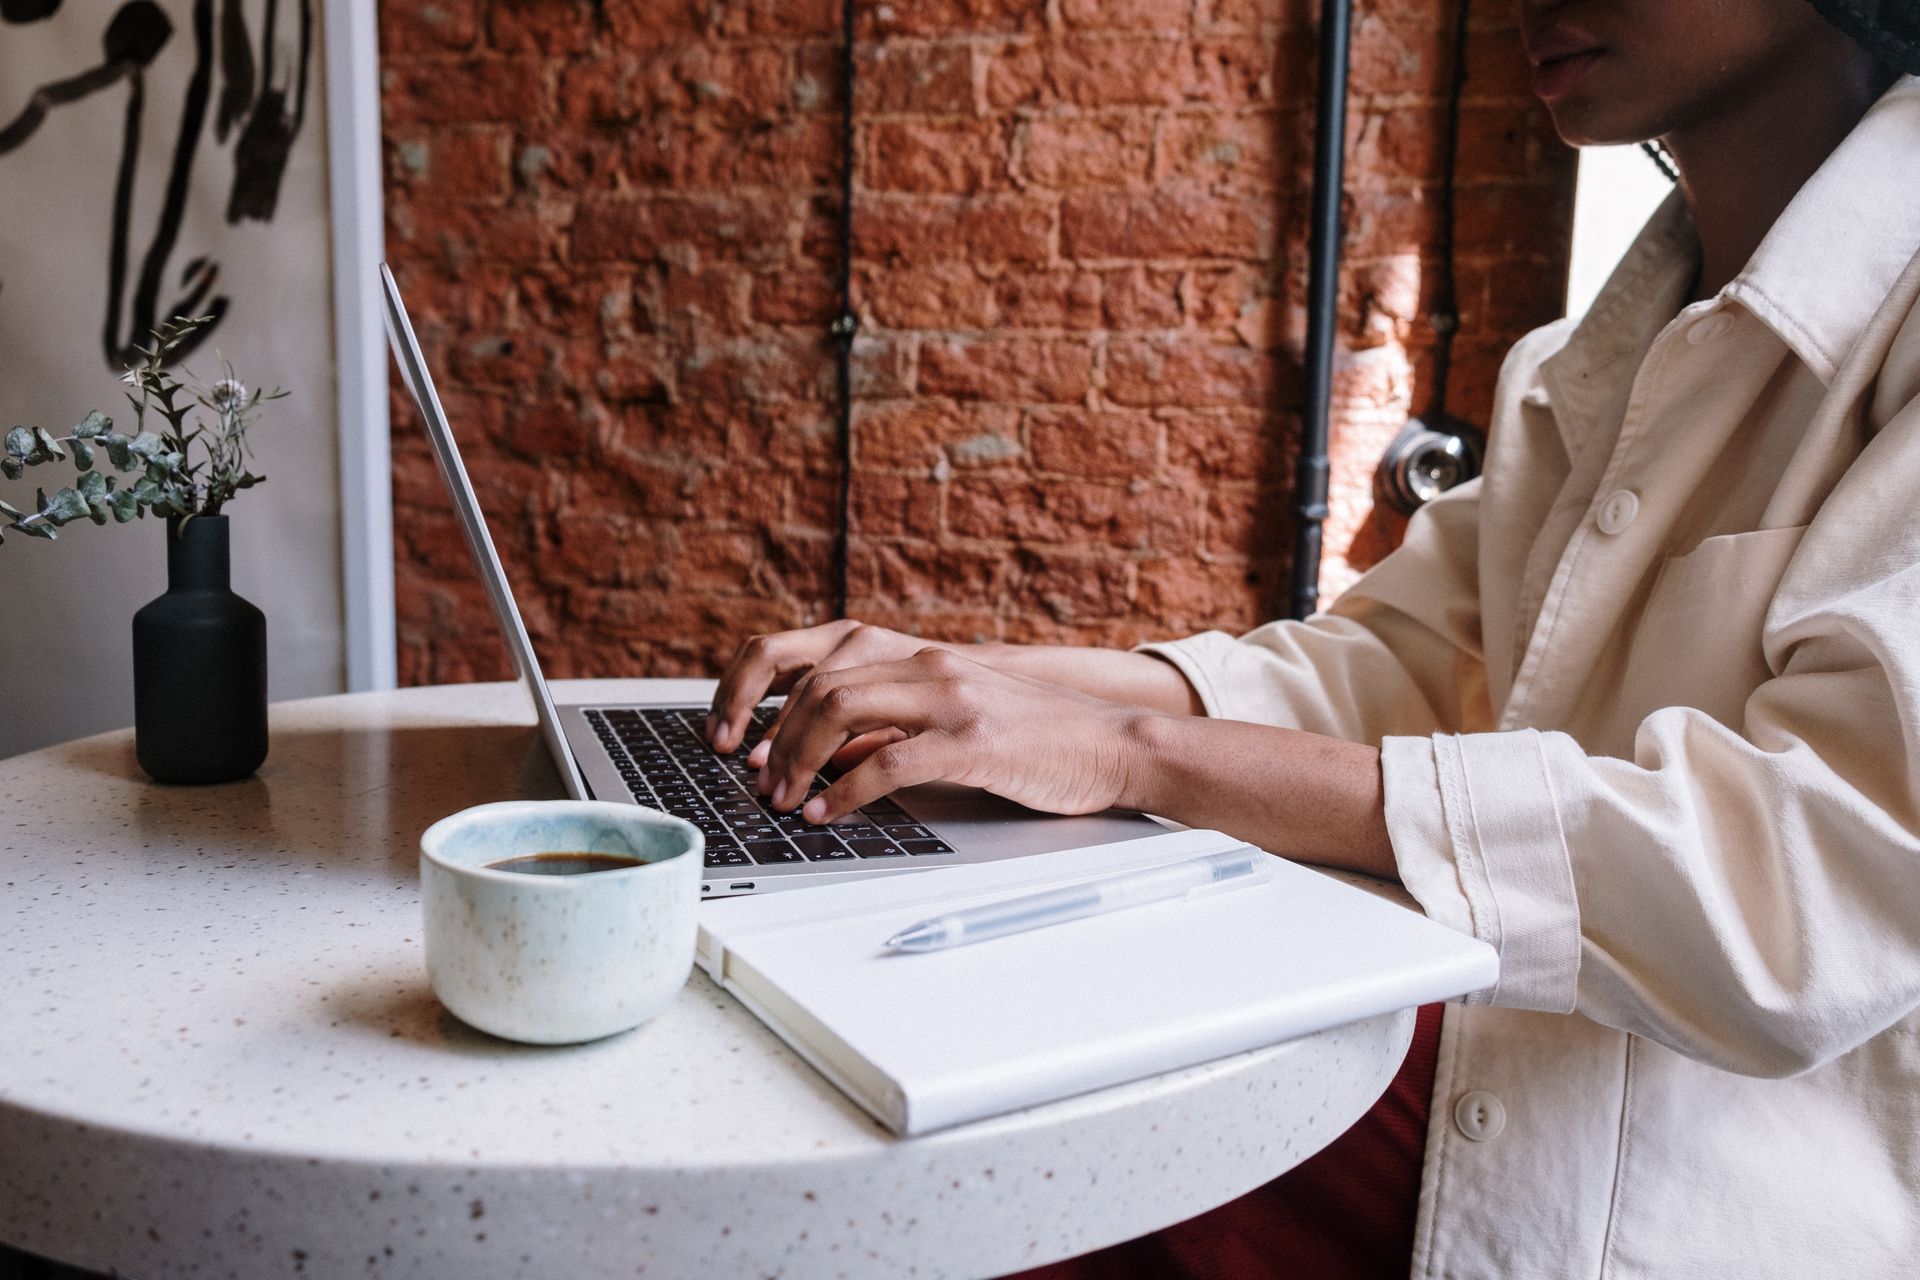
x=565, y=864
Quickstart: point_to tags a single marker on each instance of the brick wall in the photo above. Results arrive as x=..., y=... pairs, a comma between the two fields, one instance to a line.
x=1079, y=260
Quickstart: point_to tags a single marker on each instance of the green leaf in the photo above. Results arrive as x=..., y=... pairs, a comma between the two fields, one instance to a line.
x=93, y=485
x=146, y=489
x=94, y=424
x=49, y=447
x=147, y=445
x=66, y=506
x=125, y=505
x=20, y=443
x=247, y=480
x=38, y=530
x=10, y=511
x=82, y=454
x=119, y=452
x=12, y=467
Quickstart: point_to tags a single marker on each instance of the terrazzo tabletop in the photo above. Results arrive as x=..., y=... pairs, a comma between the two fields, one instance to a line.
x=219, y=1056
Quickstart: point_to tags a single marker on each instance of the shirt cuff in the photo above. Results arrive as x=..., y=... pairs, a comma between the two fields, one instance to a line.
x=1479, y=843
x=1198, y=658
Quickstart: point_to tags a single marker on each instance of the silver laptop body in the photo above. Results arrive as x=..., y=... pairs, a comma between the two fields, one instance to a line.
x=618, y=751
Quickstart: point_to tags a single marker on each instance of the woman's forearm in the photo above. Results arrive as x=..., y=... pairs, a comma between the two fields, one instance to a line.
x=1138, y=679
x=1307, y=797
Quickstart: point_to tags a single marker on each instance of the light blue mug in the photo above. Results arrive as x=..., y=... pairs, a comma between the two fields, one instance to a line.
x=558, y=959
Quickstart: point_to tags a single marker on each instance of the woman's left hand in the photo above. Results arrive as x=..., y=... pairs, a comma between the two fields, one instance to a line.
x=949, y=719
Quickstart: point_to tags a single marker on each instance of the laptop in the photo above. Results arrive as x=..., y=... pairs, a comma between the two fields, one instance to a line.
x=654, y=754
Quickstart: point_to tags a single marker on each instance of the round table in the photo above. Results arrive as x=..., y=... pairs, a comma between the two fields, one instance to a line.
x=219, y=1056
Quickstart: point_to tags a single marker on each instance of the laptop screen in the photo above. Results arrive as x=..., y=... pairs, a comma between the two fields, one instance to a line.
x=413, y=370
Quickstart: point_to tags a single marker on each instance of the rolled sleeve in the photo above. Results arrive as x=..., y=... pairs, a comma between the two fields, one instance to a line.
x=1200, y=658
x=1480, y=845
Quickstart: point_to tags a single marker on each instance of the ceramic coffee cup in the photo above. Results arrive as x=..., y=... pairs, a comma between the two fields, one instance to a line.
x=557, y=959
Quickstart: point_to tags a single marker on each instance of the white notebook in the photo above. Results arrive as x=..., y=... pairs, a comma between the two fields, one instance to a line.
x=923, y=1041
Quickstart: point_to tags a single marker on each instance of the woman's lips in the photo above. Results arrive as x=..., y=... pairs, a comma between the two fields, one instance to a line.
x=1557, y=77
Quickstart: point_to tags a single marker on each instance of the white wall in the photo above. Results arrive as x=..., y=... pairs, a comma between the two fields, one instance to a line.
x=65, y=651
x=1617, y=190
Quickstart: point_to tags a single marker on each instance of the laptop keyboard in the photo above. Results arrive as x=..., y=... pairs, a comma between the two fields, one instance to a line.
x=667, y=765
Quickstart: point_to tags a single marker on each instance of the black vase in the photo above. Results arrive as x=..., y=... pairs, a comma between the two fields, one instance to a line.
x=199, y=666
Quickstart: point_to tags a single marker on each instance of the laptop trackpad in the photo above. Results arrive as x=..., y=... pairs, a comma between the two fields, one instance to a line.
x=981, y=825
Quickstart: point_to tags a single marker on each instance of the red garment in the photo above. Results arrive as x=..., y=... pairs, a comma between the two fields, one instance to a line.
x=1347, y=1213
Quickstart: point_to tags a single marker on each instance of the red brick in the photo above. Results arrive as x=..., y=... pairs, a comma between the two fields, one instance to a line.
x=960, y=158
x=947, y=18
x=1187, y=374
x=1165, y=16
x=641, y=230
x=541, y=26
x=788, y=18
x=927, y=574
x=794, y=297
x=1140, y=298
x=1233, y=71
x=1087, y=152
x=474, y=90
x=641, y=24
x=917, y=434
x=795, y=154
x=922, y=230
x=412, y=27
x=1401, y=50
x=926, y=79
x=1165, y=224
x=1094, y=445
x=1075, y=586
x=1122, y=517
x=1223, y=152
x=1012, y=370
x=1200, y=594
x=1241, y=15
x=459, y=165
x=1090, y=71
x=1229, y=444
x=770, y=367
x=1051, y=300
x=881, y=367
x=947, y=295
x=887, y=506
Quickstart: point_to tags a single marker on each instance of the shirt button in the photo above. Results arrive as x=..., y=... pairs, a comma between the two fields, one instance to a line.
x=1710, y=327
x=1618, y=511
x=1479, y=1115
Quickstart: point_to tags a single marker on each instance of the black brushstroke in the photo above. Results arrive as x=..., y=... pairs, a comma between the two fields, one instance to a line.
x=260, y=156
x=133, y=40
x=23, y=11
x=193, y=118
x=236, y=68
x=268, y=126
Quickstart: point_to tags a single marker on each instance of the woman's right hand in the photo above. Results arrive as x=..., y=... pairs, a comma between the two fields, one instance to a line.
x=769, y=664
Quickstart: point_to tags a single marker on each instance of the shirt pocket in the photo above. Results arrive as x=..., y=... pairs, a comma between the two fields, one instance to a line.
x=1698, y=643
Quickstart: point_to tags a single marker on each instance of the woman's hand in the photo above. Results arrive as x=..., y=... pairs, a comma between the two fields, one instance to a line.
x=773, y=663
x=943, y=717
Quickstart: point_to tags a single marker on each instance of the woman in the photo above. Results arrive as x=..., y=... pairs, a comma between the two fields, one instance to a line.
x=1641, y=708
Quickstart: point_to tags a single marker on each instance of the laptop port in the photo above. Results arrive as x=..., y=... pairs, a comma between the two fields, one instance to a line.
x=741, y=884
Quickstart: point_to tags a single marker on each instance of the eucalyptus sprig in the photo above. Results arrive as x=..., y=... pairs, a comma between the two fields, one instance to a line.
x=171, y=480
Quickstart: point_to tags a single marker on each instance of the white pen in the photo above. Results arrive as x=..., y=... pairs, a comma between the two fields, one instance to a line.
x=1244, y=866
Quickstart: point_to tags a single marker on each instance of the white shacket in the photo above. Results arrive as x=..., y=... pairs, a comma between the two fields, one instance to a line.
x=1648, y=701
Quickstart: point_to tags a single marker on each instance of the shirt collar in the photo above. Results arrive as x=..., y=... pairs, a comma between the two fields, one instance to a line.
x=1816, y=280
x=1830, y=259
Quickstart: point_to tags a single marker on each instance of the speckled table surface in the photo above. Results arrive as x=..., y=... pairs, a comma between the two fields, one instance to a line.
x=219, y=1057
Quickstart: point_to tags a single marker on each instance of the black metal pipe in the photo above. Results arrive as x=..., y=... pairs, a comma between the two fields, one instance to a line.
x=1323, y=278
